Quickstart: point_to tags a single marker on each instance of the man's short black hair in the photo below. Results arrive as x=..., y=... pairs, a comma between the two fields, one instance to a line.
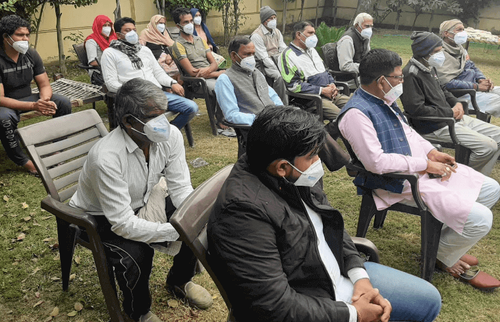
x=178, y=13
x=283, y=132
x=300, y=26
x=377, y=62
x=9, y=25
x=120, y=22
x=237, y=42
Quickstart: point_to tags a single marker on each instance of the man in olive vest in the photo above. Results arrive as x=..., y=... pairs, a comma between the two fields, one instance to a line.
x=242, y=91
x=355, y=43
x=269, y=43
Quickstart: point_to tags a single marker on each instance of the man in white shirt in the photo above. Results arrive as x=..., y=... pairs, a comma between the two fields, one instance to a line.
x=116, y=182
x=126, y=59
x=269, y=43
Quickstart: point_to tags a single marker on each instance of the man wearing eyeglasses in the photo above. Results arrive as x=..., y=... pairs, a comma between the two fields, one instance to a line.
x=424, y=96
x=456, y=195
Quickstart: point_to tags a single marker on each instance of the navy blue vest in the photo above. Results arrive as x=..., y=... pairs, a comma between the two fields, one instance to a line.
x=390, y=133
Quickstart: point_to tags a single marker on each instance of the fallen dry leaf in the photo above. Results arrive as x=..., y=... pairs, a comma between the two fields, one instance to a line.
x=45, y=218
x=27, y=218
x=173, y=303
x=78, y=306
x=36, y=224
x=21, y=236
x=38, y=303
x=72, y=313
x=5, y=198
x=34, y=272
x=72, y=277
x=55, y=311
x=37, y=295
x=55, y=278
x=48, y=239
x=57, y=257
x=25, y=205
x=77, y=259
x=48, y=319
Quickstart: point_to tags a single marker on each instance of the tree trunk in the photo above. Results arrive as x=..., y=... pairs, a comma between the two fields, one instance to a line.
x=335, y=6
x=317, y=9
x=60, y=45
x=236, y=16
x=38, y=21
x=415, y=20
x=301, y=10
x=396, y=26
x=327, y=12
x=118, y=11
x=284, y=16
x=358, y=9
x=430, y=21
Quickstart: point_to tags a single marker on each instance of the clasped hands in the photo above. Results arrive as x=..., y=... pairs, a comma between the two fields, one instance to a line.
x=45, y=106
x=485, y=85
x=370, y=305
x=440, y=164
x=330, y=91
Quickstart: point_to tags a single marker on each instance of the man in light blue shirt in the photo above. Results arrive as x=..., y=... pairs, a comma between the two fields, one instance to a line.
x=242, y=91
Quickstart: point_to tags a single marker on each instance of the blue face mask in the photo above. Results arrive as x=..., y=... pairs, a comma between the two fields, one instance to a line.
x=156, y=130
x=132, y=37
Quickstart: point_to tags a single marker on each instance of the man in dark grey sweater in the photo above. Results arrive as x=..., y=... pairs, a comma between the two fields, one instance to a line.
x=424, y=96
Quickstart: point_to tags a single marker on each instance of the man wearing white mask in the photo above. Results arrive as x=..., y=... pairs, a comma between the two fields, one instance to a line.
x=242, y=92
x=268, y=42
x=424, y=96
x=456, y=195
x=19, y=66
x=193, y=52
x=126, y=59
x=459, y=72
x=117, y=182
x=355, y=43
x=304, y=72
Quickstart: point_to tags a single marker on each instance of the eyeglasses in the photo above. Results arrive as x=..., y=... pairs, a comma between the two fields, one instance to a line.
x=401, y=77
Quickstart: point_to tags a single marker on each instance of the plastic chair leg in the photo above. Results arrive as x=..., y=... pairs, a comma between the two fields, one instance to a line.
x=189, y=134
x=211, y=114
x=431, y=233
x=366, y=213
x=379, y=219
x=67, y=237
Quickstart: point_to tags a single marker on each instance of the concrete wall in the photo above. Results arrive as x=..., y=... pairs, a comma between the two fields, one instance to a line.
x=74, y=20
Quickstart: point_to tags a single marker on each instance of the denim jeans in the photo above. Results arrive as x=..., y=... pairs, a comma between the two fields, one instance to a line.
x=185, y=107
x=9, y=118
x=412, y=298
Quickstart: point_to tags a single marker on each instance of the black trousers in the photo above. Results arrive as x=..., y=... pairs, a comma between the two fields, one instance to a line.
x=133, y=261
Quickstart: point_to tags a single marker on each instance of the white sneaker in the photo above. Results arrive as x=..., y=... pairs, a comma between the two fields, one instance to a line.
x=149, y=317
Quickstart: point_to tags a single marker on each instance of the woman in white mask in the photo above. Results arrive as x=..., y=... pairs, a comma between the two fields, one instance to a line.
x=100, y=38
x=201, y=30
x=157, y=38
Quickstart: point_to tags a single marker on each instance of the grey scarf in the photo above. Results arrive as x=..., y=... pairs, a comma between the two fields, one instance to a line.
x=453, y=65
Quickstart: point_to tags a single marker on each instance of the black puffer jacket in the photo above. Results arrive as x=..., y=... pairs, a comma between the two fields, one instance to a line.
x=263, y=248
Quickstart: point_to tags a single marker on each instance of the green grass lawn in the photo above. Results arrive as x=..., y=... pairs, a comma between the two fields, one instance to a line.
x=30, y=285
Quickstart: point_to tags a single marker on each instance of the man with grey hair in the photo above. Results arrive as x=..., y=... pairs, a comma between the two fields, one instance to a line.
x=118, y=180
x=459, y=72
x=355, y=43
x=304, y=72
x=269, y=43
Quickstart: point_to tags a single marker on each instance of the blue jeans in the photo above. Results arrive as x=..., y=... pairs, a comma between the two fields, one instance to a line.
x=412, y=298
x=185, y=107
x=9, y=118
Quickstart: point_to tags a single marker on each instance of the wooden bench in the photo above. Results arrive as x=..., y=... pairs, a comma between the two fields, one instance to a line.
x=79, y=94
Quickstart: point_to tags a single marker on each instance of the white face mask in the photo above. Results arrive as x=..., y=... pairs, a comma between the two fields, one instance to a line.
x=188, y=29
x=460, y=37
x=161, y=27
x=311, y=41
x=157, y=130
x=106, y=31
x=311, y=176
x=272, y=24
x=20, y=46
x=395, y=92
x=437, y=60
x=367, y=33
x=132, y=37
x=247, y=63
x=197, y=20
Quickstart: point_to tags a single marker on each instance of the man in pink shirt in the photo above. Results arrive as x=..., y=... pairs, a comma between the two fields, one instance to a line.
x=382, y=140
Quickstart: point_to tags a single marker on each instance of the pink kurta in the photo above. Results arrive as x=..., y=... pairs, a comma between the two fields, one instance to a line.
x=449, y=201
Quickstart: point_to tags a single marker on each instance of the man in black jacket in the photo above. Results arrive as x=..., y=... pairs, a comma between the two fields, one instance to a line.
x=424, y=96
x=281, y=251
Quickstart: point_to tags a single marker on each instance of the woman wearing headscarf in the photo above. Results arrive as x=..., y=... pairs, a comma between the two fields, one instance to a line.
x=201, y=30
x=100, y=38
x=156, y=38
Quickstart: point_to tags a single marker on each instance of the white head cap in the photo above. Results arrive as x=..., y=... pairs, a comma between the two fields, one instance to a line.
x=360, y=18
